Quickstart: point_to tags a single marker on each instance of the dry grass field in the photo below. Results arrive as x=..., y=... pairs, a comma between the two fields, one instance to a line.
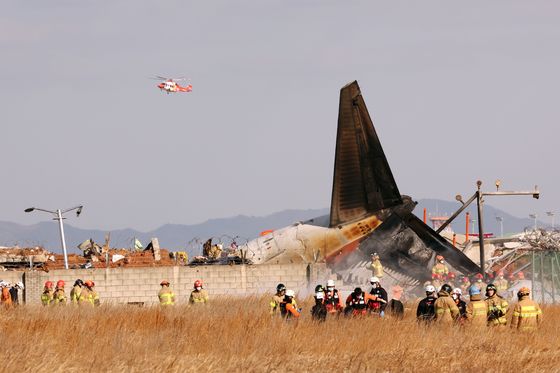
x=239, y=335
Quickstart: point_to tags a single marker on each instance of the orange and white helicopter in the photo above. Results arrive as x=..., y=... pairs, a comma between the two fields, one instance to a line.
x=170, y=85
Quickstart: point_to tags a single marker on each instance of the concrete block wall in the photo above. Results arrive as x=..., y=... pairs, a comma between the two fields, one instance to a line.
x=124, y=285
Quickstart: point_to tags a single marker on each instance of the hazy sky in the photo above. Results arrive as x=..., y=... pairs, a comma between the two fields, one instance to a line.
x=458, y=91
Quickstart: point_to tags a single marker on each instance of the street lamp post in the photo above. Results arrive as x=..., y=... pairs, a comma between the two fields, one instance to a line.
x=500, y=220
x=534, y=216
x=58, y=216
x=551, y=214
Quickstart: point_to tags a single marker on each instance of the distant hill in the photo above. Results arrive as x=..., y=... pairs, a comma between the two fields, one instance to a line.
x=177, y=237
x=172, y=236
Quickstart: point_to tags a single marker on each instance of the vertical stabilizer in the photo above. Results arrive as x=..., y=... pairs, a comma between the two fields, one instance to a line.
x=363, y=183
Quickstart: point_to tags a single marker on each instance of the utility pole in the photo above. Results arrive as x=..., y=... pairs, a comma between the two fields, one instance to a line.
x=478, y=195
x=551, y=214
x=500, y=220
x=534, y=216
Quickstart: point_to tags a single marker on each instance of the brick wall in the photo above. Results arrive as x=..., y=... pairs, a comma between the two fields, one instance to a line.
x=123, y=285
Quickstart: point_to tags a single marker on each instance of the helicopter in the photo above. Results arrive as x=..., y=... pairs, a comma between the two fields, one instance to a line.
x=170, y=85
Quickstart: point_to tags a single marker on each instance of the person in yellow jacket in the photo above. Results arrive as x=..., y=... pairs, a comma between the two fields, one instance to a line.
x=445, y=308
x=376, y=266
x=198, y=295
x=76, y=291
x=59, y=297
x=527, y=314
x=497, y=307
x=501, y=284
x=476, y=309
x=277, y=299
x=166, y=295
x=440, y=268
x=48, y=294
x=88, y=295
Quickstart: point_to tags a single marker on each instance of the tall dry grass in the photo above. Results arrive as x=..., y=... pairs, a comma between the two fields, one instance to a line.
x=239, y=335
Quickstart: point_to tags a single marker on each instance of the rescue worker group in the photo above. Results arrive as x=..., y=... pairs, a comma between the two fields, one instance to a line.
x=443, y=302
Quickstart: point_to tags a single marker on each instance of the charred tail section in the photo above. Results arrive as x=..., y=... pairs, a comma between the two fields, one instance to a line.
x=363, y=183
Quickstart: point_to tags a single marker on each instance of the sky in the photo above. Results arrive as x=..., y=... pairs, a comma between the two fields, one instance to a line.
x=458, y=92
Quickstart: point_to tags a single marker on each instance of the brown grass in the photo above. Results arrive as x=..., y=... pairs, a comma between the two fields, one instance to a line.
x=239, y=335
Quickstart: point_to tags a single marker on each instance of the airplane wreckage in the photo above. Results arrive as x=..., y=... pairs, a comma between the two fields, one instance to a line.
x=367, y=213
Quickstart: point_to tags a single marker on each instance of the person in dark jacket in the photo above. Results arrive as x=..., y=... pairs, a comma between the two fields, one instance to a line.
x=14, y=292
x=319, y=310
x=426, y=311
x=377, y=307
x=396, y=307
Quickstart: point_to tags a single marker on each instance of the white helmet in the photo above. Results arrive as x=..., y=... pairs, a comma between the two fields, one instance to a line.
x=330, y=283
x=20, y=285
x=290, y=293
x=319, y=295
x=430, y=289
x=373, y=279
x=457, y=291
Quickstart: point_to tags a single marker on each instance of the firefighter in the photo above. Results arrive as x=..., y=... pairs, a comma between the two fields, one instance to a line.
x=288, y=307
x=445, y=308
x=465, y=285
x=6, y=297
x=451, y=279
x=476, y=309
x=166, y=296
x=501, y=284
x=461, y=304
x=497, y=306
x=76, y=291
x=437, y=280
x=527, y=314
x=319, y=310
x=357, y=302
x=277, y=299
x=377, y=307
x=48, y=293
x=425, y=311
x=479, y=283
x=333, y=302
x=88, y=295
x=440, y=268
x=376, y=266
x=198, y=295
x=59, y=297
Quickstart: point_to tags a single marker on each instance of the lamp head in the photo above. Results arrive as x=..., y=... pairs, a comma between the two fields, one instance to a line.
x=459, y=198
x=29, y=209
x=79, y=211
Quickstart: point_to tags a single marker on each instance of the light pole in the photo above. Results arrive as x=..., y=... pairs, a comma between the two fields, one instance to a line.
x=551, y=214
x=534, y=216
x=58, y=216
x=500, y=220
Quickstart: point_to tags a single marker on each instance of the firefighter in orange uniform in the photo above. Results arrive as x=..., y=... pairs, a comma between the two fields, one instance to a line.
x=332, y=300
x=357, y=302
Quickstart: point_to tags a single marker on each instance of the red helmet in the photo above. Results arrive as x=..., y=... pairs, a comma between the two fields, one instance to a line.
x=164, y=282
x=198, y=284
x=89, y=283
x=520, y=275
x=465, y=279
x=479, y=275
x=60, y=284
x=451, y=275
x=439, y=257
x=434, y=276
x=48, y=284
x=500, y=273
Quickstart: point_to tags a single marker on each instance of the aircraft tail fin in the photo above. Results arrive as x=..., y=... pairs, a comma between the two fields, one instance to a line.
x=363, y=182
